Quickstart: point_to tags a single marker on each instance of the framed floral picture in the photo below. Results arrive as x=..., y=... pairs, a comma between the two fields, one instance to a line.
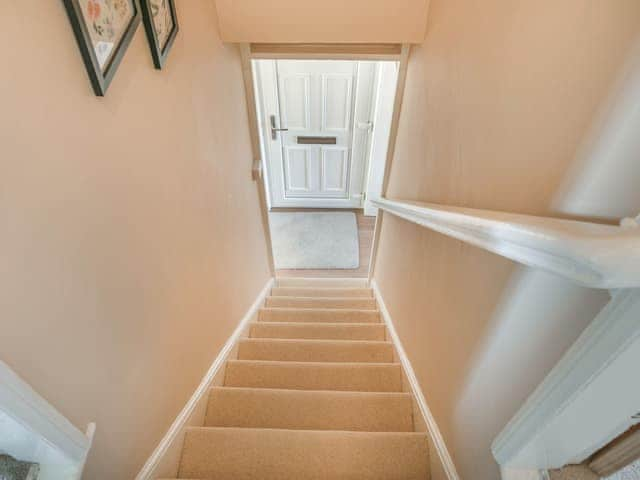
x=103, y=29
x=161, y=24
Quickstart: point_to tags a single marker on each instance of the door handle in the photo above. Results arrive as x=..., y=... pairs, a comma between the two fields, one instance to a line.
x=274, y=129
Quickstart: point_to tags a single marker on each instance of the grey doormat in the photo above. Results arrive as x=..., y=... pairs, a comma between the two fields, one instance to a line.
x=305, y=240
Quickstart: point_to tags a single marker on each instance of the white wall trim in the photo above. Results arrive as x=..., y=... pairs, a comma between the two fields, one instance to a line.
x=90, y=434
x=563, y=420
x=432, y=427
x=381, y=134
x=590, y=254
x=180, y=423
x=21, y=402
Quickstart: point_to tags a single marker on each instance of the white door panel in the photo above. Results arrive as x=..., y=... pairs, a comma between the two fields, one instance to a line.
x=299, y=174
x=335, y=166
x=311, y=98
x=336, y=103
x=316, y=100
x=294, y=102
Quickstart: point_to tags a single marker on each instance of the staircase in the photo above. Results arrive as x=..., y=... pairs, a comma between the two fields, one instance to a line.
x=315, y=393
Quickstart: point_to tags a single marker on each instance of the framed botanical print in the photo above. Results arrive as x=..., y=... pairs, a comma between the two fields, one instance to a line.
x=103, y=29
x=161, y=24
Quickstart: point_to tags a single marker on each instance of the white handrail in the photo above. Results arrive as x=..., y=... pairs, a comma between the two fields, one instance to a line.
x=564, y=420
x=26, y=407
x=590, y=254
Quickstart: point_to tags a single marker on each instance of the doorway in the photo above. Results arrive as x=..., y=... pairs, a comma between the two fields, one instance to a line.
x=324, y=130
x=322, y=126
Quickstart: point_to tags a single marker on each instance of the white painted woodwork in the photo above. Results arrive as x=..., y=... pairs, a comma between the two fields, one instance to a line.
x=363, y=126
x=327, y=51
x=33, y=430
x=590, y=254
x=266, y=101
x=329, y=21
x=587, y=400
x=315, y=98
x=382, y=118
x=602, y=183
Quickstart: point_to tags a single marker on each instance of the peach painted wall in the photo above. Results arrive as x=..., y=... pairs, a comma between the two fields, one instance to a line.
x=130, y=235
x=328, y=21
x=499, y=100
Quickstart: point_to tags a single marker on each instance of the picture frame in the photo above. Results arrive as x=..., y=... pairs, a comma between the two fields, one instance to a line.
x=103, y=29
x=161, y=24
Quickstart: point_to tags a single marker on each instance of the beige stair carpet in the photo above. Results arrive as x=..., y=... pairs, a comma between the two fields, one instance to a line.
x=309, y=410
x=315, y=393
x=321, y=292
x=321, y=302
x=275, y=454
x=315, y=350
x=359, y=377
x=328, y=331
x=333, y=315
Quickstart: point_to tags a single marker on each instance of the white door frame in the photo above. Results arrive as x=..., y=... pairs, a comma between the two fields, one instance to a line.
x=395, y=122
x=363, y=128
x=386, y=85
x=248, y=52
x=360, y=116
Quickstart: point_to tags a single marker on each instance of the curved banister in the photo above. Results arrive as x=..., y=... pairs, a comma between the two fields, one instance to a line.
x=590, y=254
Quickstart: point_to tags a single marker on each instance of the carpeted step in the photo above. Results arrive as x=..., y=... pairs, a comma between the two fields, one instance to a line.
x=309, y=410
x=322, y=282
x=360, y=377
x=318, y=315
x=321, y=292
x=265, y=454
x=318, y=302
x=320, y=331
x=296, y=350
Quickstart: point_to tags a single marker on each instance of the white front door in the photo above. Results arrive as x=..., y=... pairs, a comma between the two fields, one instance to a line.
x=307, y=117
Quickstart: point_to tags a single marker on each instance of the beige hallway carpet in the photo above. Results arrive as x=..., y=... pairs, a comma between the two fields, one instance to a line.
x=314, y=240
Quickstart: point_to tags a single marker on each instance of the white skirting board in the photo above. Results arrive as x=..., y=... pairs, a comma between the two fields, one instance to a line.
x=432, y=427
x=167, y=454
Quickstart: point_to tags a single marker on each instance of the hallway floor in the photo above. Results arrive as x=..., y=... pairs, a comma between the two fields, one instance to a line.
x=366, y=226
